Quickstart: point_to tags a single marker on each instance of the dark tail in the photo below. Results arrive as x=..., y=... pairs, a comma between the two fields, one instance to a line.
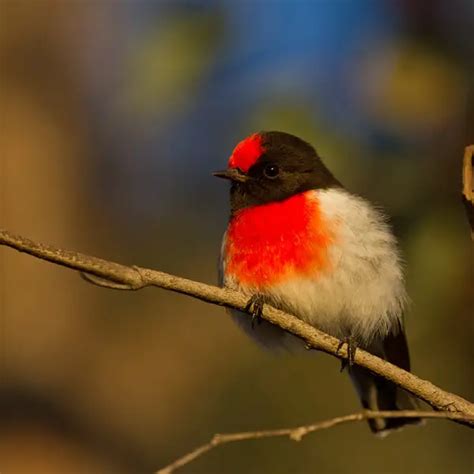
x=377, y=393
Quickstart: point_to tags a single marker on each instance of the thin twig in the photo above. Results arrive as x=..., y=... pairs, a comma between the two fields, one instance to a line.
x=110, y=274
x=297, y=434
x=468, y=186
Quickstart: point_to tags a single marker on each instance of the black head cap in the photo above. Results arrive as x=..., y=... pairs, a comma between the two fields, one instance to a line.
x=272, y=166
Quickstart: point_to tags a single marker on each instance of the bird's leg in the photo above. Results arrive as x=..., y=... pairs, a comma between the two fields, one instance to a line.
x=351, y=350
x=255, y=308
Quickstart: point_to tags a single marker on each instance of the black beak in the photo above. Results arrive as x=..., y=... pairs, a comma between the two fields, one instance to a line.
x=234, y=174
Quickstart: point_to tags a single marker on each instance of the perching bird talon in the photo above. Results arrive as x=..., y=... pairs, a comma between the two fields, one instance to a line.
x=351, y=351
x=255, y=308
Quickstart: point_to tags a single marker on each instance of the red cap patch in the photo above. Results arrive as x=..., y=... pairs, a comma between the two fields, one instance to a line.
x=246, y=153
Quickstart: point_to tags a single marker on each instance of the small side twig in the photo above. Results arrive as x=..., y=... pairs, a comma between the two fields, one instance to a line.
x=297, y=433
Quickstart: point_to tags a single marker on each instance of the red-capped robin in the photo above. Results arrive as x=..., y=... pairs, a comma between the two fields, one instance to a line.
x=299, y=241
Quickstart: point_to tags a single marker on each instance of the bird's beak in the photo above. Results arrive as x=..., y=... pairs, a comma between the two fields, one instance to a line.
x=234, y=174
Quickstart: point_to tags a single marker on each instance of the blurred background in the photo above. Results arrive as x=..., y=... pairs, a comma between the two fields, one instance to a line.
x=113, y=115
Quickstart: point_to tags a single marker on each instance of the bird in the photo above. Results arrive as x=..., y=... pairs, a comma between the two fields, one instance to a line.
x=299, y=241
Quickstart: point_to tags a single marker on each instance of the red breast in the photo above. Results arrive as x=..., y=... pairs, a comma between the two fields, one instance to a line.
x=270, y=243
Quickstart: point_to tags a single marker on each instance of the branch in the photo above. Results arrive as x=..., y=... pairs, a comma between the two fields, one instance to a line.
x=114, y=275
x=297, y=434
x=468, y=186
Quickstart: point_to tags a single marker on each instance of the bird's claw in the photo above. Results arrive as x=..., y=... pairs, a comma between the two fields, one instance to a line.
x=255, y=308
x=351, y=351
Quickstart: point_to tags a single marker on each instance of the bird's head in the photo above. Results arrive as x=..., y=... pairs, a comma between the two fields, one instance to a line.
x=273, y=166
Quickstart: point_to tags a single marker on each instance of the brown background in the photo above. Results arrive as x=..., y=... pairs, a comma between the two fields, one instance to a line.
x=103, y=381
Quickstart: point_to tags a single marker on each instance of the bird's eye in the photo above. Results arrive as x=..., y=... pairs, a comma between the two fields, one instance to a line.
x=271, y=171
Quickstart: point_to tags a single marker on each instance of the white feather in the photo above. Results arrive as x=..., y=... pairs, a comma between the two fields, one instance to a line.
x=361, y=293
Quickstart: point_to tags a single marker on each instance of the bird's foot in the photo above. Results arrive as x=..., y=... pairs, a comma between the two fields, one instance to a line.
x=255, y=308
x=351, y=350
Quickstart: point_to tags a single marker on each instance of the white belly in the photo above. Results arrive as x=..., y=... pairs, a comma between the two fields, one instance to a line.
x=360, y=294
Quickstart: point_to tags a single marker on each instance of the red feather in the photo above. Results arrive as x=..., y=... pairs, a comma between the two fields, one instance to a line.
x=268, y=244
x=246, y=153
